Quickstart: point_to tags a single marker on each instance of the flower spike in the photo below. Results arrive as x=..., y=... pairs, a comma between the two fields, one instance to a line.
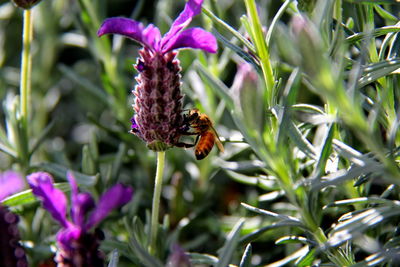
x=158, y=115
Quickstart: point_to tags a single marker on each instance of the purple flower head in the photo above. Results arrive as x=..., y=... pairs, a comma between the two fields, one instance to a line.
x=175, y=38
x=11, y=251
x=158, y=98
x=178, y=257
x=10, y=183
x=84, y=213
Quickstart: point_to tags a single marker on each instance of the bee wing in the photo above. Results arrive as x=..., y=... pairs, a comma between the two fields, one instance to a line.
x=217, y=140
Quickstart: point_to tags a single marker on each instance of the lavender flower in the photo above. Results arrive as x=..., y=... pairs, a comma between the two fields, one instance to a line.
x=11, y=252
x=178, y=257
x=10, y=183
x=77, y=246
x=158, y=104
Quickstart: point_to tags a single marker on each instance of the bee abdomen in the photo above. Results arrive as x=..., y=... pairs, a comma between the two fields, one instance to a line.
x=205, y=145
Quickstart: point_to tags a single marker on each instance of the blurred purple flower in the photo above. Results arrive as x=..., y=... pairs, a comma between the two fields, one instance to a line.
x=10, y=183
x=11, y=251
x=178, y=257
x=158, y=103
x=76, y=244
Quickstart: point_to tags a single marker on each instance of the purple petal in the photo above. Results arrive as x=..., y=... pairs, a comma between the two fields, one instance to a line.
x=66, y=237
x=134, y=126
x=193, y=38
x=152, y=37
x=81, y=203
x=54, y=200
x=192, y=8
x=10, y=182
x=149, y=36
x=115, y=197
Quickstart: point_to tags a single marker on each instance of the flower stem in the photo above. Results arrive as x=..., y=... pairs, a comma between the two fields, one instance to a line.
x=262, y=50
x=25, y=85
x=156, y=201
x=26, y=64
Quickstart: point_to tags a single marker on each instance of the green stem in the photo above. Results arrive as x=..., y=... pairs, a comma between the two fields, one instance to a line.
x=25, y=88
x=156, y=201
x=262, y=50
x=26, y=65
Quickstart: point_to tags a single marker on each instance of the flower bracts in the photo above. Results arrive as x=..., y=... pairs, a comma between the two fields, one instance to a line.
x=158, y=102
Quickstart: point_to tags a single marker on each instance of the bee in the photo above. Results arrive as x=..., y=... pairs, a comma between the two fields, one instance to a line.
x=202, y=126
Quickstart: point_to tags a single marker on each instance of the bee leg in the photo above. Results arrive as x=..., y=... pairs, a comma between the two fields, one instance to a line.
x=188, y=133
x=185, y=145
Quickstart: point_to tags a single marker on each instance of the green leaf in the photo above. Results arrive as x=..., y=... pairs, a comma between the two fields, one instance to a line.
x=122, y=248
x=259, y=232
x=300, y=141
x=8, y=150
x=385, y=14
x=229, y=28
x=230, y=245
x=270, y=213
x=342, y=175
x=359, y=200
x=246, y=258
x=239, y=51
x=252, y=180
x=373, y=1
x=145, y=258
x=319, y=169
x=375, y=33
x=275, y=20
x=61, y=171
x=197, y=258
x=291, y=239
x=218, y=85
x=26, y=197
x=114, y=258
x=42, y=137
x=306, y=260
x=375, y=71
x=85, y=83
x=355, y=223
x=377, y=259
x=295, y=255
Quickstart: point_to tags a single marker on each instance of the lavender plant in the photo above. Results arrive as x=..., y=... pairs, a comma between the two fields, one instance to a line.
x=158, y=118
x=304, y=95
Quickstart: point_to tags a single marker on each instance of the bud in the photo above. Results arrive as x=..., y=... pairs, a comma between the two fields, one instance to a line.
x=309, y=44
x=247, y=93
x=178, y=257
x=25, y=4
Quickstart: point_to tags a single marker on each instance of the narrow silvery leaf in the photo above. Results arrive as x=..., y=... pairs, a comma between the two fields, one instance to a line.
x=230, y=245
x=114, y=259
x=246, y=258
